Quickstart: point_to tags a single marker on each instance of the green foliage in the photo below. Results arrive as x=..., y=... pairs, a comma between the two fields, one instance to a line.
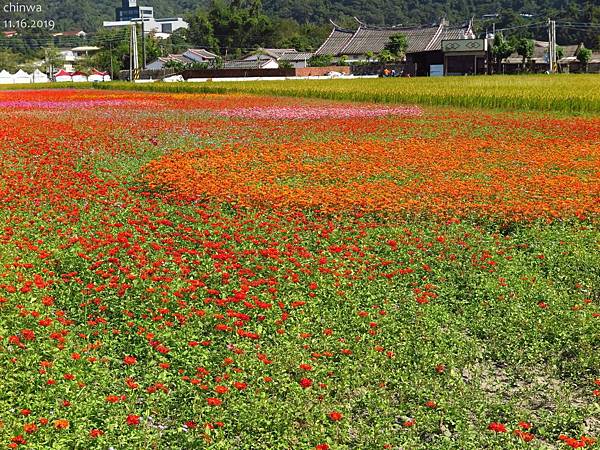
x=584, y=55
x=397, y=46
x=524, y=47
x=385, y=57
x=320, y=61
x=285, y=65
x=501, y=48
x=9, y=60
x=301, y=15
x=233, y=27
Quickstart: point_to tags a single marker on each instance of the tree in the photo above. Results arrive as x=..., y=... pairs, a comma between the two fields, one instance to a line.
x=524, y=48
x=584, y=55
x=231, y=27
x=53, y=59
x=320, y=61
x=397, y=46
x=385, y=57
x=201, y=32
x=501, y=49
x=114, y=53
x=8, y=61
x=285, y=64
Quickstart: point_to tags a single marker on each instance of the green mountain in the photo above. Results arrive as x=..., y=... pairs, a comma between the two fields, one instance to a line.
x=89, y=14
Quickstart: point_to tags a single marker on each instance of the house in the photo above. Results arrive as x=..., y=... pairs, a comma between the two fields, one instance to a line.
x=263, y=63
x=295, y=58
x=130, y=12
x=199, y=55
x=69, y=59
x=190, y=56
x=84, y=51
x=539, y=60
x=424, y=43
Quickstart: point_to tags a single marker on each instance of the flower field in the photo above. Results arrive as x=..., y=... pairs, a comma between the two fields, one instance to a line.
x=568, y=93
x=245, y=272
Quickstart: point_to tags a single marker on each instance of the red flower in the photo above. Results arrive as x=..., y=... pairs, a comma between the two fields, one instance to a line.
x=30, y=428
x=527, y=437
x=524, y=425
x=322, y=447
x=240, y=386
x=221, y=389
x=431, y=404
x=28, y=335
x=130, y=360
x=306, y=382
x=335, y=416
x=214, y=401
x=95, y=433
x=497, y=427
x=409, y=423
x=133, y=419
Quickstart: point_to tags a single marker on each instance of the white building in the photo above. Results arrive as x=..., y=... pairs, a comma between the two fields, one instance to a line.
x=290, y=55
x=130, y=12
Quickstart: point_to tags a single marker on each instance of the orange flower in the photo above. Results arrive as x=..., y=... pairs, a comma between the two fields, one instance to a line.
x=61, y=424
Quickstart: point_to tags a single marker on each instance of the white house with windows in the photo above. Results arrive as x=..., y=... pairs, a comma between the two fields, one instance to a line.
x=131, y=12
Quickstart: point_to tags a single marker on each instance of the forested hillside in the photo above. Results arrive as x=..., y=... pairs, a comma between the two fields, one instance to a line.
x=89, y=14
x=577, y=21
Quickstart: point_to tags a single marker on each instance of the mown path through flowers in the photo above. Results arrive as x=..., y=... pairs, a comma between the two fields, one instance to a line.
x=184, y=271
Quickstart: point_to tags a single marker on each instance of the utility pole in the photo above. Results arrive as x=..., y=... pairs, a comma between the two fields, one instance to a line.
x=112, y=71
x=130, y=55
x=134, y=67
x=554, y=57
x=549, y=46
x=143, y=46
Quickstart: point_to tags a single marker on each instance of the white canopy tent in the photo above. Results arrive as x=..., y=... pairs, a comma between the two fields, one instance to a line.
x=21, y=77
x=97, y=76
x=39, y=77
x=79, y=77
x=6, y=78
x=62, y=76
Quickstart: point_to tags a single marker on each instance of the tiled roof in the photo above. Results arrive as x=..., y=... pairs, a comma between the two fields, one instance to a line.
x=336, y=41
x=540, y=49
x=243, y=64
x=283, y=54
x=296, y=56
x=373, y=39
x=202, y=52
